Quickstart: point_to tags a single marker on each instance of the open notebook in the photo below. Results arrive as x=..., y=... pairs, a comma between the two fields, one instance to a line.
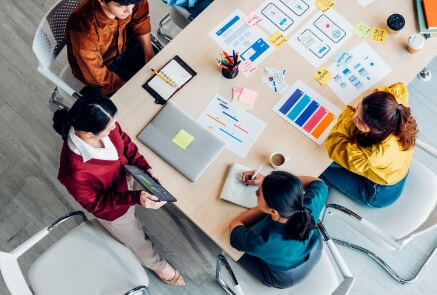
x=177, y=72
x=235, y=191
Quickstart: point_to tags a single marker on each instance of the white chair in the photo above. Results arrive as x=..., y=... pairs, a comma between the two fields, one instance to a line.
x=87, y=260
x=179, y=16
x=50, y=39
x=394, y=226
x=321, y=280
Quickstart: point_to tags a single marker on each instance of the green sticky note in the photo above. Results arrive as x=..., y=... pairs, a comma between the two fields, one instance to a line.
x=362, y=30
x=183, y=139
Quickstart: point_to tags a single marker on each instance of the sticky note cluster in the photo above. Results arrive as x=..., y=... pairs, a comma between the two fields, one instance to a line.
x=183, y=139
x=244, y=98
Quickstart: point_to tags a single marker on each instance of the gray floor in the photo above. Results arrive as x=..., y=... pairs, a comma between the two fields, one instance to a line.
x=31, y=197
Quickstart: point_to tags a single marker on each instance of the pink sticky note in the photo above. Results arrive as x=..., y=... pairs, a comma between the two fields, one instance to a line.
x=247, y=68
x=252, y=19
x=248, y=96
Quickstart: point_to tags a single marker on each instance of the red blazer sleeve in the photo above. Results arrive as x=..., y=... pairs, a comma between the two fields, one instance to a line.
x=130, y=151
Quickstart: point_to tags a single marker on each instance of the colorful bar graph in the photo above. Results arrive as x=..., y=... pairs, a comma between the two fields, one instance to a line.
x=321, y=112
x=285, y=108
x=323, y=125
x=299, y=107
x=307, y=113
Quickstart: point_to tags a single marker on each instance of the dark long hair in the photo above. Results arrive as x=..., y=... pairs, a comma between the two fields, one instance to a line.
x=91, y=113
x=384, y=116
x=284, y=192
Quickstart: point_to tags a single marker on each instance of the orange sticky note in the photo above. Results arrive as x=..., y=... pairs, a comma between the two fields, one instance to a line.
x=378, y=35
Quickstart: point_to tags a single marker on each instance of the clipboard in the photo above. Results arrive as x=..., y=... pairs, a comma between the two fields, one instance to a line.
x=177, y=72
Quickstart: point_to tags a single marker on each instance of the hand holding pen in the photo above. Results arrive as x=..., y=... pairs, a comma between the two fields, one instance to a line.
x=253, y=177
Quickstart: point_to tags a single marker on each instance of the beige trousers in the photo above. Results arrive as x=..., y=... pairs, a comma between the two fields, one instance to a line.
x=129, y=231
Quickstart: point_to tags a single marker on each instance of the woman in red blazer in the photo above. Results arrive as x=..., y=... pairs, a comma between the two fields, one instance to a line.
x=91, y=168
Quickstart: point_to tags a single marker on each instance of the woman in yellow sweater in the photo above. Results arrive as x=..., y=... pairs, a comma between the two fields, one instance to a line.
x=372, y=146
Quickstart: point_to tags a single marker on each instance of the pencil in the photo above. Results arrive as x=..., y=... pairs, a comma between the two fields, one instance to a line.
x=163, y=78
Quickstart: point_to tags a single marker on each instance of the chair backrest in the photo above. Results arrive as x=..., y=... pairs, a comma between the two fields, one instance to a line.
x=180, y=16
x=321, y=280
x=87, y=260
x=410, y=215
x=50, y=35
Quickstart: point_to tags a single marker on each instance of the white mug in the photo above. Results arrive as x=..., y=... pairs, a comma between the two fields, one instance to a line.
x=278, y=160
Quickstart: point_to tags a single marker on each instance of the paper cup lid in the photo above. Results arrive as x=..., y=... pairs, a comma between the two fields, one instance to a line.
x=396, y=22
x=416, y=41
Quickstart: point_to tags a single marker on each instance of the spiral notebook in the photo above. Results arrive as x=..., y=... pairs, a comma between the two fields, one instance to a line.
x=177, y=72
x=235, y=191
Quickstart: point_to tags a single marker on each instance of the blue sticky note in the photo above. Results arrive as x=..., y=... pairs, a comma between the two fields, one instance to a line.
x=343, y=58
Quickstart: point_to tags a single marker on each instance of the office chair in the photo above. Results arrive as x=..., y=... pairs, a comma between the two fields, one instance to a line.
x=179, y=16
x=321, y=280
x=87, y=260
x=49, y=41
x=394, y=226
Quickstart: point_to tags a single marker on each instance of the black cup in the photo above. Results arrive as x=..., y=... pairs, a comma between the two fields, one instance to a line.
x=230, y=74
x=395, y=23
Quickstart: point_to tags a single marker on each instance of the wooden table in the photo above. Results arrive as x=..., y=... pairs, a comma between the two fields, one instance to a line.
x=200, y=200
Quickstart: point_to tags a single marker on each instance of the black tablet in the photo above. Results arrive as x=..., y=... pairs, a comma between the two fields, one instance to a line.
x=149, y=184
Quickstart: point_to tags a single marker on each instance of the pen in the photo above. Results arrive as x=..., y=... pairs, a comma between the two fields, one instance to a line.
x=163, y=78
x=255, y=174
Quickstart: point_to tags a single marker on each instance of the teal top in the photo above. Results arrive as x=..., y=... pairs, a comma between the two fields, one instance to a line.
x=266, y=238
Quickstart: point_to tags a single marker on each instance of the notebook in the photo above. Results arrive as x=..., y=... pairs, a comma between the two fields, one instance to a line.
x=149, y=184
x=235, y=191
x=177, y=72
x=430, y=10
x=181, y=141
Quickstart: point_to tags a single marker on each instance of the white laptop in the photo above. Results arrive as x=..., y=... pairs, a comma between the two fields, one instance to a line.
x=181, y=141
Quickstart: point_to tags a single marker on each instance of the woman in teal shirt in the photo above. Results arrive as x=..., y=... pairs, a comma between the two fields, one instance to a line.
x=279, y=236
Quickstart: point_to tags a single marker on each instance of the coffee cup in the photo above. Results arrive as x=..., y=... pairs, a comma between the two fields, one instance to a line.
x=278, y=160
x=415, y=43
x=395, y=23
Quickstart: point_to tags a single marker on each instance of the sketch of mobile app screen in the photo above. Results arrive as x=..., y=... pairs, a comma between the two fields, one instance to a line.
x=329, y=28
x=297, y=6
x=277, y=16
x=313, y=43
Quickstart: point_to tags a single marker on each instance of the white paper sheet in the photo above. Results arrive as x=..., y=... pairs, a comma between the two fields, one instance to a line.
x=308, y=111
x=321, y=36
x=283, y=15
x=362, y=72
x=234, y=34
x=238, y=128
x=364, y=3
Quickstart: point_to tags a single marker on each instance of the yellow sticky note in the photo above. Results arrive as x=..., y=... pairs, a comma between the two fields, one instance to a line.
x=277, y=39
x=361, y=30
x=183, y=139
x=378, y=35
x=322, y=75
x=324, y=5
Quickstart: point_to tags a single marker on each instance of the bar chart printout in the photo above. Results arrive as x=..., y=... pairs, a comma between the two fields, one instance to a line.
x=308, y=111
x=238, y=128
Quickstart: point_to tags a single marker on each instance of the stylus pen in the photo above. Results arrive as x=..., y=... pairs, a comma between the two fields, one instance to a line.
x=255, y=174
x=163, y=78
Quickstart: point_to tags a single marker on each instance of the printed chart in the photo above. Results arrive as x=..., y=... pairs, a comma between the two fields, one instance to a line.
x=238, y=128
x=308, y=111
x=321, y=36
x=362, y=72
x=284, y=15
x=235, y=34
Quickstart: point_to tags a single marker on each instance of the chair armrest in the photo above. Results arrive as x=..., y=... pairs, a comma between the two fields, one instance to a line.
x=345, y=287
x=221, y=260
x=427, y=148
x=389, y=239
x=144, y=289
x=17, y=252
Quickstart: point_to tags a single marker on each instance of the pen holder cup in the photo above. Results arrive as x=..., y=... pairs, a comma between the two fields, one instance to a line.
x=230, y=74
